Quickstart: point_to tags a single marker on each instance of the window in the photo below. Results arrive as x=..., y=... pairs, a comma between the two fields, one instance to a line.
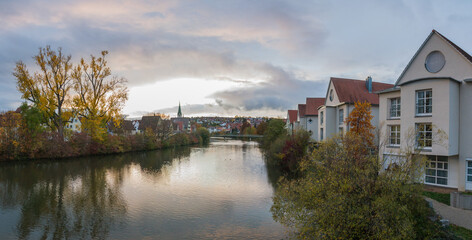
x=321, y=133
x=395, y=107
x=469, y=171
x=424, y=102
x=424, y=135
x=392, y=161
x=341, y=116
x=321, y=117
x=436, y=170
x=394, y=137
x=341, y=131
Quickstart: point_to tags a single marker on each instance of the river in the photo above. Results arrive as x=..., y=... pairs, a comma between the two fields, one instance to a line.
x=223, y=191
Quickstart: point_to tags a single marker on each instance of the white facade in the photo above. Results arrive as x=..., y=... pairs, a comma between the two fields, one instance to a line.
x=435, y=111
x=332, y=116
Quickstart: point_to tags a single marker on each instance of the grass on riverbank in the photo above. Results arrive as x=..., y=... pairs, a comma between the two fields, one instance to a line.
x=440, y=197
x=460, y=232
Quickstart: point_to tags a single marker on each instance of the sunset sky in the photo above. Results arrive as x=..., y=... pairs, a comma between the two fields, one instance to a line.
x=227, y=58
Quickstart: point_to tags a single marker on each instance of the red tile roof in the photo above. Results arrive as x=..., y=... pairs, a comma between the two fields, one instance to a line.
x=301, y=109
x=312, y=105
x=292, y=116
x=351, y=90
x=464, y=53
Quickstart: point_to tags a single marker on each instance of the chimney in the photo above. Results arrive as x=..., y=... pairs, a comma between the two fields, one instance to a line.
x=368, y=84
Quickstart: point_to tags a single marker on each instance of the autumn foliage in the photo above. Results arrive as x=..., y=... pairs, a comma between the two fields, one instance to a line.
x=360, y=122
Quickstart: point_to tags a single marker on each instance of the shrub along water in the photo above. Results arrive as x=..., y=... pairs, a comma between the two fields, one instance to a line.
x=22, y=138
x=283, y=150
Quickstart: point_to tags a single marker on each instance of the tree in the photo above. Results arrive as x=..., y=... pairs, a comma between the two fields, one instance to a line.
x=48, y=89
x=245, y=125
x=275, y=128
x=342, y=195
x=261, y=128
x=359, y=122
x=100, y=96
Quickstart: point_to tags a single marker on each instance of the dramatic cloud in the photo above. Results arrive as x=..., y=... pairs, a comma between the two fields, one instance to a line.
x=270, y=54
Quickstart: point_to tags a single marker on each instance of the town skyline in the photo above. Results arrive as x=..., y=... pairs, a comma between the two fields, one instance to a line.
x=227, y=58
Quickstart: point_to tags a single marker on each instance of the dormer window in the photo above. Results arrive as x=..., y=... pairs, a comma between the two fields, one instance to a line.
x=424, y=102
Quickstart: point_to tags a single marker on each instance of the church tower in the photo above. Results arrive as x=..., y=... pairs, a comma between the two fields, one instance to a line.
x=179, y=113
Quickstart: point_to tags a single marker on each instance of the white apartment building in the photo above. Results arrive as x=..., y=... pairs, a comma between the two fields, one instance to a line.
x=311, y=116
x=301, y=119
x=430, y=110
x=291, y=123
x=339, y=102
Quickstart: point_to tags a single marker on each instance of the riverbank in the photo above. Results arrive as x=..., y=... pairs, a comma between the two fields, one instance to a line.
x=49, y=146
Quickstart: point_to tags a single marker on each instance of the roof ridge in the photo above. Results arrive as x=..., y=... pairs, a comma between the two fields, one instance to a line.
x=460, y=50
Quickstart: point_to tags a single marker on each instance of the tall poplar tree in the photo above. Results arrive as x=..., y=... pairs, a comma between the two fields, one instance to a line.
x=100, y=96
x=49, y=88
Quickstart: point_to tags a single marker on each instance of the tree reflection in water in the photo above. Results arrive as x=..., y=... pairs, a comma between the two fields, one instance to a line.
x=78, y=198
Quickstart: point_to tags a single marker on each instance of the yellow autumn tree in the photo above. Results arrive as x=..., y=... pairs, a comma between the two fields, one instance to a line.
x=49, y=88
x=359, y=122
x=100, y=96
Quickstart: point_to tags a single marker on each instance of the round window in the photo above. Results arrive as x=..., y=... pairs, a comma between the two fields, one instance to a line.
x=331, y=95
x=435, y=61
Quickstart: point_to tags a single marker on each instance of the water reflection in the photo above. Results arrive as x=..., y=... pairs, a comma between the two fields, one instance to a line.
x=222, y=190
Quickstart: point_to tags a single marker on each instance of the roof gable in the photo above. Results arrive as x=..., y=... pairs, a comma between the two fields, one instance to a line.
x=292, y=116
x=301, y=110
x=458, y=62
x=352, y=90
x=312, y=105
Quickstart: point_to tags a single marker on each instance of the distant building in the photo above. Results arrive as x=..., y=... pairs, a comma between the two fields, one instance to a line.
x=339, y=102
x=311, y=116
x=181, y=123
x=291, y=123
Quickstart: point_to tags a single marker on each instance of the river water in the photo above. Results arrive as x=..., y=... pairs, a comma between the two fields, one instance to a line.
x=222, y=191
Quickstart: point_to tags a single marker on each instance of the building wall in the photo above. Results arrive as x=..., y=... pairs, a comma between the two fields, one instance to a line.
x=385, y=121
x=440, y=117
x=465, y=136
x=312, y=126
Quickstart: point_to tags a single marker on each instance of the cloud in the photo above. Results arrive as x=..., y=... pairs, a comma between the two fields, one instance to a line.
x=281, y=91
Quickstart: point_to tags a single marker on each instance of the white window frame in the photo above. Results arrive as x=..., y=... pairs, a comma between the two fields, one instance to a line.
x=394, y=133
x=424, y=102
x=321, y=133
x=468, y=171
x=341, y=116
x=434, y=167
x=423, y=136
x=395, y=108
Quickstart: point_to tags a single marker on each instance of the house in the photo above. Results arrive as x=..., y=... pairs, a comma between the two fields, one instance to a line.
x=339, y=102
x=301, y=120
x=74, y=124
x=311, y=116
x=181, y=123
x=150, y=123
x=431, y=98
x=291, y=124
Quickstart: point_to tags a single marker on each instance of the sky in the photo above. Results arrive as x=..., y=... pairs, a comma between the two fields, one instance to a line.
x=227, y=58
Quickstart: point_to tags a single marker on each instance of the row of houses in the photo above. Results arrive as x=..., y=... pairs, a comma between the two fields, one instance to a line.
x=428, y=110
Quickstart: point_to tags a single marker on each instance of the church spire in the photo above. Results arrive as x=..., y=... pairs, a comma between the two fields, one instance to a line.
x=179, y=113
